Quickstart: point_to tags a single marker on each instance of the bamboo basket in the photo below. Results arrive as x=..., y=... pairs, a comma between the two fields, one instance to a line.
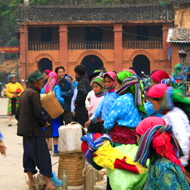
x=51, y=104
x=74, y=164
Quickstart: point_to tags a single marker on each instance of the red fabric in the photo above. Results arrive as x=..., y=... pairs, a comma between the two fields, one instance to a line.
x=178, y=80
x=161, y=142
x=148, y=123
x=47, y=71
x=121, y=164
x=157, y=76
x=84, y=145
x=157, y=91
x=123, y=135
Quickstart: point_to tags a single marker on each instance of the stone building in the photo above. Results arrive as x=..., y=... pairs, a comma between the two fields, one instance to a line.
x=115, y=37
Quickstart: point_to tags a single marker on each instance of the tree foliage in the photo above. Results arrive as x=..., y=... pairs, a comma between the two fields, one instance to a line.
x=8, y=14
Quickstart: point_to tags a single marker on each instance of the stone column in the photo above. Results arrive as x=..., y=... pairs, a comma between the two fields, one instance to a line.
x=118, y=47
x=23, y=54
x=63, y=46
x=166, y=44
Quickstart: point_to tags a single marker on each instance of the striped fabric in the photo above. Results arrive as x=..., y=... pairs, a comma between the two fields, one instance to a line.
x=93, y=146
x=147, y=138
x=126, y=84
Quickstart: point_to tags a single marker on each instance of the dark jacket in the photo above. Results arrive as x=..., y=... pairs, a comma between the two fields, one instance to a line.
x=67, y=93
x=29, y=114
x=83, y=89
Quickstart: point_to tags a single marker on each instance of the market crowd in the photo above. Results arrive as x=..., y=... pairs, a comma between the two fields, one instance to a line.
x=136, y=128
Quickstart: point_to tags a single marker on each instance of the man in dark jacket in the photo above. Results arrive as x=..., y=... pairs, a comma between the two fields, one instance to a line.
x=30, y=123
x=66, y=92
x=81, y=114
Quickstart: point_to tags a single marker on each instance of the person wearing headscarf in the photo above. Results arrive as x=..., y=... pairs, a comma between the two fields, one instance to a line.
x=175, y=109
x=2, y=145
x=46, y=73
x=156, y=77
x=157, y=142
x=110, y=96
x=177, y=75
x=127, y=110
x=52, y=85
x=99, y=91
x=30, y=127
x=13, y=91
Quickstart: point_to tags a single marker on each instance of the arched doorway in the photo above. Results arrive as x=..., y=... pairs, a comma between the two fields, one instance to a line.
x=44, y=64
x=141, y=63
x=92, y=62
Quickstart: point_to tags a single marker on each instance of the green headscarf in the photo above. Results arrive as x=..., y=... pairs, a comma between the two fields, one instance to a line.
x=177, y=69
x=98, y=80
x=130, y=83
x=35, y=76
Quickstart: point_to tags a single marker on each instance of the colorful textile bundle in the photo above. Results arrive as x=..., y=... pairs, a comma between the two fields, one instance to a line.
x=99, y=152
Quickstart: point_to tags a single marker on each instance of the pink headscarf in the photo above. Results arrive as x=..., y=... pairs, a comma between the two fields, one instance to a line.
x=52, y=81
x=47, y=71
x=157, y=76
x=147, y=123
x=157, y=91
x=111, y=74
x=130, y=70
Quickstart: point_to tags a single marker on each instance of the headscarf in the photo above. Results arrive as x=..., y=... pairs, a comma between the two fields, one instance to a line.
x=177, y=69
x=35, y=76
x=170, y=96
x=98, y=80
x=157, y=134
x=157, y=76
x=130, y=70
x=112, y=75
x=157, y=91
x=11, y=76
x=47, y=71
x=131, y=84
x=52, y=81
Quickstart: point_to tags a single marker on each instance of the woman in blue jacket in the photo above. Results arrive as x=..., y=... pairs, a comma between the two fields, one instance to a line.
x=52, y=85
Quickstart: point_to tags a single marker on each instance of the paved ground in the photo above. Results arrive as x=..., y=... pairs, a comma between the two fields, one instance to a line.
x=12, y=176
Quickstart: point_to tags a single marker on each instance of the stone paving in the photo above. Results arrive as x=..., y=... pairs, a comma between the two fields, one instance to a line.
x=12, y=176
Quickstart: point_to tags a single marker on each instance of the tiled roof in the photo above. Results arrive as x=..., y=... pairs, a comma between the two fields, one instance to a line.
x=180, y=2
x=179, y=35
x=94, y=13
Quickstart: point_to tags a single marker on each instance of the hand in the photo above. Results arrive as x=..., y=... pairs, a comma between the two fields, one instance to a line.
x=89, y=99
x=15, y=96
x=3, y=148
x=88, y=123
x=73, y=113
x=47, y=124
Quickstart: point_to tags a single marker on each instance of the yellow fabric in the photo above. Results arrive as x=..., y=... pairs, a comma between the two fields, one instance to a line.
x=106, y=156
x=12, y=88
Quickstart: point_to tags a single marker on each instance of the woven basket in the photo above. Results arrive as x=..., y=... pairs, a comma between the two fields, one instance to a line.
x=51, y=104
x=74, y=164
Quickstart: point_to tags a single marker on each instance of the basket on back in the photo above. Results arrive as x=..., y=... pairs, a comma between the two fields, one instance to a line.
x=51, y=104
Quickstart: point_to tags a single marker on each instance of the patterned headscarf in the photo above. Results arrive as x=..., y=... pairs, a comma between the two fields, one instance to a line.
x=157, y=76
x=131, y=84
x=155, y=133
x=112, y=75
x=98, y=80
x=11, y=76
x=52, y=81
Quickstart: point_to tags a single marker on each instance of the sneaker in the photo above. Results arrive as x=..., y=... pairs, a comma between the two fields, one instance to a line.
x=9, y=125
